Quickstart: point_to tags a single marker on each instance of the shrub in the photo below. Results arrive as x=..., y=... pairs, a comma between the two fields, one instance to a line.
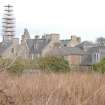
x=4, y=62
x=55, y=64
x=21, y=65
x=99, y=67
x=17, y=67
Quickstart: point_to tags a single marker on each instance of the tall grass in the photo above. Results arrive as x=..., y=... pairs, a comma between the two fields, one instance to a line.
x=74, y=88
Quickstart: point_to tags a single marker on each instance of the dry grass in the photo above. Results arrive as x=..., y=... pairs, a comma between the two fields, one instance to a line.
x=52, y=89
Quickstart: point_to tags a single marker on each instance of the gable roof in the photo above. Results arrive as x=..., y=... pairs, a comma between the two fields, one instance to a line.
x=65, y=51
x=96, y=49
x=85, y=43
x=36, y=45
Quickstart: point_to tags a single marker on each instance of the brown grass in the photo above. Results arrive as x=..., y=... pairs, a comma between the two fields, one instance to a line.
x=73, y=88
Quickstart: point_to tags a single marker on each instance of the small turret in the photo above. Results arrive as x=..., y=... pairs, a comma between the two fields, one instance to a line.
x=25, y=36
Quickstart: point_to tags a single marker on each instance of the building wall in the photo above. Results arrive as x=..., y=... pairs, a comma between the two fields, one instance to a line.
x=95, y=57
x=47, y=49
x=25, y=36
x=24, y=52
x=74, y=59
x=53, y=37
x=16, y=50
x=74, y=41
x=12, y=51
x=54, y=43
x=86, y=59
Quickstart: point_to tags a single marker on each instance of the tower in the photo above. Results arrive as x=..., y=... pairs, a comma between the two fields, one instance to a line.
x=8, y=24
x=25, y=36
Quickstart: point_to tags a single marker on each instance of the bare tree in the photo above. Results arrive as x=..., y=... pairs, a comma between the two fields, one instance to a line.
x=100, y=41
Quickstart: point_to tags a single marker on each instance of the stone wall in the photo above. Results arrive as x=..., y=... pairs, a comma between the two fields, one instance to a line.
x=74, y=41
x=12, y=51
x=73, y=59
x=54, y=42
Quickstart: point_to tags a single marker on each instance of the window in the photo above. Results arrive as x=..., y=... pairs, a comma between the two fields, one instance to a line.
x=12, y=50
x=94, y=56
x=98, y=57
x=65, y=45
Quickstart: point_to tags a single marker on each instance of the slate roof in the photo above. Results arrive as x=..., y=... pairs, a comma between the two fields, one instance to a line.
x=88, y=59
x=96, y=49
x=65, y=51
x=36, y=45
x=86, y=43
x=64, y=42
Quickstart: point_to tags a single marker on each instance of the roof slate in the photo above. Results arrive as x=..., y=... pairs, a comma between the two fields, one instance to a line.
x=64, y=42
x=65, y=51
x=86, y=43
x=36, y=45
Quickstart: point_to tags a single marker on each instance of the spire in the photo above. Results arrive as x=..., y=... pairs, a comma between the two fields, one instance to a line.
x=26, y=31
x=25, y=36
x=8, y=24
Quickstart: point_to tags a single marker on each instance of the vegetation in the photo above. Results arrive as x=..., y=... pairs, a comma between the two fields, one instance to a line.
x=52, y=89
x=58, y=64
x=55, y=64
x=100, y=67
x=4, y=62
x=17, y=67
x=100, y=41
x=74, y=88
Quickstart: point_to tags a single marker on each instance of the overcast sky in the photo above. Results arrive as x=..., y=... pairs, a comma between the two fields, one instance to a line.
x=84, y=18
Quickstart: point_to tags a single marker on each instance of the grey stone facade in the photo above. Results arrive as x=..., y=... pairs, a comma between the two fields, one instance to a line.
x=86, y=53
x=9, y=49
x=72, y=42
x=94, y=55
x=75, y=51
x=31, y=48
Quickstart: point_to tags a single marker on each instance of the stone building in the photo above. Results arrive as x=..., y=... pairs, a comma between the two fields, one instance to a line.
x=85, y=45
x=28, y=48
x=93, y=55
x=75, y=51
x=72, y=42
x=72, y=54
x=50, y=45
x=10, y=45
x=32, y=48
x=9, y=49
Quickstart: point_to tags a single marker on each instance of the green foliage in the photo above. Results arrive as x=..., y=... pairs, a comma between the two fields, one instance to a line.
x=4, y=62
x=100, y=67
x=55, y=64
x=17, y=67
x=20, y=65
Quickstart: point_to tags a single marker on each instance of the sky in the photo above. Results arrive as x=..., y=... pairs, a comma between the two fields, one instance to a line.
x=84, y=18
